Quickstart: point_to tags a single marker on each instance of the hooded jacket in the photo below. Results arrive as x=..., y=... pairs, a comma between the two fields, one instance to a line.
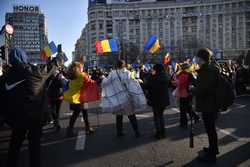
x=25, y=88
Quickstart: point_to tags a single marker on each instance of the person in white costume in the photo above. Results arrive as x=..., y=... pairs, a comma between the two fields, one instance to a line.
x=122, y=95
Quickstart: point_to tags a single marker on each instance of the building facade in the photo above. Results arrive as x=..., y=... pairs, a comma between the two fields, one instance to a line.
x=82, y=46
x=30, y=32
x=182, y=26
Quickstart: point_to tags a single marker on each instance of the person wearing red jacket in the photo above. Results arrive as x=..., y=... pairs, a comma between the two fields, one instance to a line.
x=183, y=81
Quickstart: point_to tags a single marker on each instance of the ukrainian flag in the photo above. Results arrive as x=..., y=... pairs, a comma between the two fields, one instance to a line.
x=152, y=44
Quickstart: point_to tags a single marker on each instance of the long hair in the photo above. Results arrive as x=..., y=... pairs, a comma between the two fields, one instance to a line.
x=73, y=65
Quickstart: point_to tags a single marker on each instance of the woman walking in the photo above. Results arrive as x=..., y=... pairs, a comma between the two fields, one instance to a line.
x=158, y=97
x=183, y=80
x=121, y=94
x=73, y=96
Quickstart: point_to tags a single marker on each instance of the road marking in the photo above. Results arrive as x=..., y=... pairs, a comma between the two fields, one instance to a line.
x=68, y=113
x=224, y=131
x=80, y=141
x=25, y=147
x=242, y=96
x=175, y=109
x=143, y=116
x=234, y=136
x=240, y=105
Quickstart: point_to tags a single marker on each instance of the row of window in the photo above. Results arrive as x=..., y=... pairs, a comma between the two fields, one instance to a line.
x=168, y=11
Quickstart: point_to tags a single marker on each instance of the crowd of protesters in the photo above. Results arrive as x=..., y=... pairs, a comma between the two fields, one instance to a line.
x=31, y=96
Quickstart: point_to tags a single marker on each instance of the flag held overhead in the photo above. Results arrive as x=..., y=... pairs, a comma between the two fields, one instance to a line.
x=106, y=46
x=65, y=58
x=53, y=47
x=48, y=51
x=166, y=59
x=150, y=42
x=113, y=45
x=98, y=47
x=155, y=47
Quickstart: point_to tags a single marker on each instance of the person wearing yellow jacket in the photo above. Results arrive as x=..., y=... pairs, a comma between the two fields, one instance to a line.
x=72, y=95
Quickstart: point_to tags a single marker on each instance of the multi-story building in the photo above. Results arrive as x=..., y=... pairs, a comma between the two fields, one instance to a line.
x=81, y=47
x=30, y=31
x=182, y=26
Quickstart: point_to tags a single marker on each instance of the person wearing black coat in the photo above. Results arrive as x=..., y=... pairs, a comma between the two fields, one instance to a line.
x=205, y=96
x=26, y=102
x=158, y=97
x=55, y=94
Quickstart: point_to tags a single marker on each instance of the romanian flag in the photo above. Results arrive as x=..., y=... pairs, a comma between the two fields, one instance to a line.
x=152, y=45
x=106, y=46
x=166, y=59
x=48, y=50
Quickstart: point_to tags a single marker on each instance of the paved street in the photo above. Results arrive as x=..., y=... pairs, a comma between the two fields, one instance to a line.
x=104, y=149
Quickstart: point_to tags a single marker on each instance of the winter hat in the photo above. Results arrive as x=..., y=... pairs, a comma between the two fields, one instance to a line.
x=159, y=68
x=205, y=54
x=18, y=56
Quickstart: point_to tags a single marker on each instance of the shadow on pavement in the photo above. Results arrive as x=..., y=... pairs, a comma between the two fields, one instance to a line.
x=230, y=159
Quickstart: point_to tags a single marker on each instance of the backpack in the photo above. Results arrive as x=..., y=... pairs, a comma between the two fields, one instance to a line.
x=224, y=93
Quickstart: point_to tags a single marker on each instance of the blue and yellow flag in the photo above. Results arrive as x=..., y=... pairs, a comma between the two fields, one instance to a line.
x=152, y=45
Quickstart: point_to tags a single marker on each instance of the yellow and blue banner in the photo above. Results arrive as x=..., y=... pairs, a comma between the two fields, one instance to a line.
x=152, y=45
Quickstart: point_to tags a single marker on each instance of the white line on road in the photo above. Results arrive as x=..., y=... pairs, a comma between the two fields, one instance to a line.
x=233, y=136
x=242, y=96
x=51, y=143
x=175, y=109
x=143, y=116
x=224, y=131
x=80, y=141
x=68, y=113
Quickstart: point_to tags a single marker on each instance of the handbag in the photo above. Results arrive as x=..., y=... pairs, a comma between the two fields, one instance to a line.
x=90, y=91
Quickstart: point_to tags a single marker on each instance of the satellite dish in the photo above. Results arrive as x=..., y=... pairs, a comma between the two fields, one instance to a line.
x=9, y=29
